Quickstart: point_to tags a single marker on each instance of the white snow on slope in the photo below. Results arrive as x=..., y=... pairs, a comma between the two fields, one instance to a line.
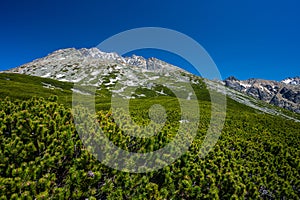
x=80, y=92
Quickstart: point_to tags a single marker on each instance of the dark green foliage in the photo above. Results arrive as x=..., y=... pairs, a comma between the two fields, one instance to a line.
x=20, y=86
x=43, y=157
x=41, y=154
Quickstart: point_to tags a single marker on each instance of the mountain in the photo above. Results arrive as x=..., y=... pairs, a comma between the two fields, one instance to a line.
x=291, y=81
x=74, y=65
x=285, y=94
x=104, y=70
x=43, y=155
x=93, y=67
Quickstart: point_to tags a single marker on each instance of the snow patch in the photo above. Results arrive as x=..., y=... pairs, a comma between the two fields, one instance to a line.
x=95, y=73
x=46, y=75
x=184, y=121
x=287, y=81
x=189, y=96
x=60, y=75
x=245, y=85
x=80, y=92
x=141, y=95
x=49, y=86
x=161, y=92
x=153, y=78
x=120, y=90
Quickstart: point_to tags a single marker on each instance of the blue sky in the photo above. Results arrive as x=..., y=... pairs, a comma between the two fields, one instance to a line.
x=246, y=39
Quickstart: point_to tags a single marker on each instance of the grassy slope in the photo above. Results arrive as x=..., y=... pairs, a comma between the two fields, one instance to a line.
x=253, y=149
x=19, y=86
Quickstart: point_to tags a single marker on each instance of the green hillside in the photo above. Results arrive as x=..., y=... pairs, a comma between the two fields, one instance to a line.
x=21, y=86
x=42, y=157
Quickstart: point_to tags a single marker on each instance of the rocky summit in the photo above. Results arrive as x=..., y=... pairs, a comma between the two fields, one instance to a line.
x=104, y=70
x=92, y=67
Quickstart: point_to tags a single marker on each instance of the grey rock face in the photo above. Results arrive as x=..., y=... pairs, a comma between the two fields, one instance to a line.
x=285, y=94
x=73, y=65
x=92, y=67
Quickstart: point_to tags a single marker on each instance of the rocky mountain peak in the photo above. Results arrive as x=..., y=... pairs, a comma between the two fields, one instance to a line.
x=285, y=94
x=291, y=81
x=231, y=78
x=97, y=68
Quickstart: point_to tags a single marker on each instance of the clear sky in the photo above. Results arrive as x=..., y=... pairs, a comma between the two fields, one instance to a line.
x=247, y=39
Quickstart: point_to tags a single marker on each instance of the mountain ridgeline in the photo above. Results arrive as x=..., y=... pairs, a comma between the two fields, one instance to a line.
x=97, y=68
x=285, y=94
x=43, y=156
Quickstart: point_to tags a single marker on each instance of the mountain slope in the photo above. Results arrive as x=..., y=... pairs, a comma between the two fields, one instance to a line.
x=285, y=94
x=74, y=65
x=252, y=102
x=291, y=81
x=43, y=157
x=23, y=87
x=91, y=67
x=117, y=75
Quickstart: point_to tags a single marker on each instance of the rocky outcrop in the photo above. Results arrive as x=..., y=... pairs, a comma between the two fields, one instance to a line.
x=285, y=94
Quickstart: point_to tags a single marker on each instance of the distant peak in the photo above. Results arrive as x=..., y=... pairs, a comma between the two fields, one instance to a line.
x=231, y=78
x=291, y=81
x=137, y=57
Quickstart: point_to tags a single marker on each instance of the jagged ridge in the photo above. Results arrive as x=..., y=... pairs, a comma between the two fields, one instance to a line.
x=97, y=68
x=285, y=94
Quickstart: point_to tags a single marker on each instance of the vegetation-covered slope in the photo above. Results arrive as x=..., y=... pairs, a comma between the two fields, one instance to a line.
x=42, y=156
x=20, y=86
